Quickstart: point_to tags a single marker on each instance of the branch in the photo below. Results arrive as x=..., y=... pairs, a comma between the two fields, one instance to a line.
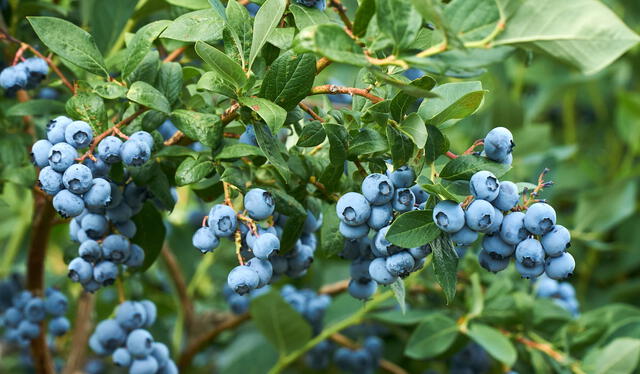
x=81, y=333
x=173, y=55
x=384, y=364
x=181, y=286
x=334, y=90
x=451, y=155
x=322, y=64
x=310, y=111
x=342, y=12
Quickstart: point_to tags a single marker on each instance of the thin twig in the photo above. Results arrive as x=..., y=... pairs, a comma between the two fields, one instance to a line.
x=174, y=54
x=181, y=286
x=334, y=288
x=81, y=333
x=175, y=138
x=451, y=155
x=342, y=12
x=332, y=89
x=322, y=64
x=310, y=111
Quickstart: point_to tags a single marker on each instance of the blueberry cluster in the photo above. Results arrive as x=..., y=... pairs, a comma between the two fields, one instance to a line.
x=308, y=303
x=318, y=4
x=471, y=359
x=23, y=313
x=361, y=360
x=562, y=293
x=24, y=75
x=239, y=304
x=376, y=260
x=129, y=343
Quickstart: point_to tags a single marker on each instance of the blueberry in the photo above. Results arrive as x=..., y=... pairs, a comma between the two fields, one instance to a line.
x=222, y=220
x=135, y=152
x=400, y=264
x=40, y=153
x=560, y=267
x=56, y=129
x=136, y=257
x=507, y=197
x=122, y=358
x=403, y=177
x=96, y=346
x=250, y=238
x=496, y=247
x=79, y=134
x=264, y=270
x=28, y=330
x=556, y=241
x=498, y=144
x=379, y=273
x=130, y=315
x=120, y=213
x=109, y=149
x=205, y=240
x=353, y=232
x=99, y=168
x=513, y=230
x=421, y=195
x=419, y=253
x=151, y=312
x=362, y=290
x=448, y=216
x=318, y=4
x=375, y=346
x=259, y=203
x=59, y=326
x=56, y=303
x=480, y=215
x=116, y=248
x=353, y=209
x=464, y=236
x=91, y=286
x=342, y=359
x=300, y=258
x=498, y=217
x=140, y=343
x=566, y=290
x=540, y=218
x=546, y=287
x=127, y=228
x=99, y=195
x=37, y=69
x=382, y=246
x=359, y=269
x=146, y=365
x=167, y=129
x=77, y=179
x=67, y=204
x=491, y=263
x=249, y=136
x=110, y=335
x=95, y=225
x=309, y=239
x=312, y=223
x=484, y=185
x=12, y=317
x=144, y=137
x=361, y=360
x=105, y=273
x=21, y=299
x=48, y=93
x=61, y=156
x=530, y=253
x=353, y=248
x=279, y=264
x=243, y=279
x=34, y=310
x=50, y=181
x=265, y=245
x=161, y=353
x=377, y=189
x=403, y=200
x=12, y=78
x=169, y=368
x=117, y=195
x=530, y=272
x=381, y=216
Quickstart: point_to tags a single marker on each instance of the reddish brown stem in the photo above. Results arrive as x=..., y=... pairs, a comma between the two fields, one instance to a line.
x=451, y=155
x=342, y=12
x=174, y=54
x=181, y=287
x=334, y=90
x=310, y=111
x=475, y=144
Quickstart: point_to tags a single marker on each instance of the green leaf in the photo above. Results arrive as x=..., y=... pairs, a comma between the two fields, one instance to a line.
x=296, y=215
x=433, y=11
x=413, y=126
x=266, y=20
x=445, y=265
x=494, y=342
x=212, y=81
x=437, y=144
x=204, y=25
x=332, y=42
x=397, y=317
x=454, y=102
x=193, y=170
x=308, y=16
x=565, y=36
x=108, y=18
x=600, y=210
x=471, y=20
x=279, y=322
x=364, y=14
x=619, y=357
x=463, y=167
x=35, y=107
x=271, y=113
x=147, y=95
x=238, y=150
x=149, y=234
x=170, y=81
x=399, y=20
x=176, y=151
x=141, y=44
x=400, y=145
x=228, y=69
x=399, y=293
x=109, y=90
x=70, y=42
x=240, y=25
x=190, y=4
x=367, y=141
x=90, y=108
x=433, y=336
x=331, y=241
x=338, y=142
x=203, y=127
x=289, y=79
x=402, y=101
x=269, y=145
x=312, y=134
x=413, y=229
x=153, y=177
x=440, y=190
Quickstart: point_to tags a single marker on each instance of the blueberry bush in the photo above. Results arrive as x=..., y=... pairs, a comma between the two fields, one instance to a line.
x=335, y=186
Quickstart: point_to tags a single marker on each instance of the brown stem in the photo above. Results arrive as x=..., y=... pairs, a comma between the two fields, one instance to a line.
x=475, y=144
x=334, y=90
x=175, y=138
x=451, y=155
x=334, y=288
x=308, y=109
x=322, y=64
x=81, y=333
x=384, y=364
x=342, y=12
x=181, y=287
x=173, y=55
x=361, y=169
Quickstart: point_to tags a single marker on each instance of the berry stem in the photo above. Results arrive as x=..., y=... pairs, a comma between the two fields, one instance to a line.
x=181, y=286
x=310, y=111
x=332, y=89
x=322, y=64
x=451, y=155
x=342, y=12
x=475, y=144
x=120, y=287
x=174, y=55
x=238, y=240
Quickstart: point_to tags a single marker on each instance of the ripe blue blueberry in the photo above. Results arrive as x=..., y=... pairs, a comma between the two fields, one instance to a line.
x=116, y=248
x=491, y=263
x=34, y=310
x=362, y=290
x=498, y=144
x=312, y=223
x=96, y=346
x=80, y=270
x=560, y=267
x=105, y=273
x=403, y=200
x=280, y=264
x=420, y=194
x=109, y=149
x=374, y=346
x=40, y=153
x=13, y=78
x=94, y=225
x=259, y=203
x=110, y=335
x=91, y=286
x=265, y=245
x=37, y=69
x=59, y=326
x=359, y=269
x=222, y=220
x=484, y=185
x=79, y=134
x=119, y=213
x=301, y=257
x=249, y=136
x=530, y=253
x=546, y=287
x=144, y=137
x=263, y=268
x=130, y=315
x=528, y=272
x=121, y=357
x=68, y=204
x=400, y=264
x=135, y=152
x=377, y=189
x=146, y=365
x=139, y=343
x=99, y=194
x=381, y=216
x=318, y=4
x=12, y=317
x=512, y=230
x=21, y=299
x=161, y=353
x=169, y=368
x=243, y=279
x=498, y=217
x=151, y=312
x=353, y=232
x=136, y=257
x=56, y=129
x=449, y=216
x=99, y=168
x=77, y=179
x=28, y=330
x=540, y=218
x=403, y=177
x=464, y=236
x=507, y=197
x=480, y=215
x=381, y=246
x=556, y=241
x=205, y=240
x=419, y=253
x=61, y=156
x=353, y=209
x=56, y=303
x=496, y=247
x=50, y=181
x=127, y=228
